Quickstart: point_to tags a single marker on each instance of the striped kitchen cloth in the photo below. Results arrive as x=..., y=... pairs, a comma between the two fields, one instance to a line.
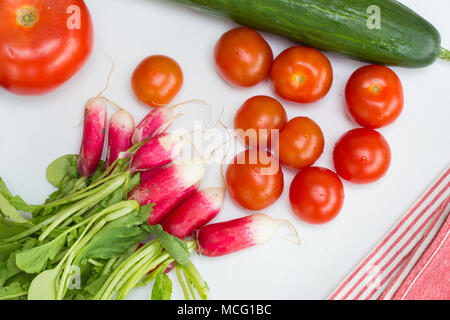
x=384, y=270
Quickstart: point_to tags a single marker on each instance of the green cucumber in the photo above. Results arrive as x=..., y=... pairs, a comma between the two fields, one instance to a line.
x=345, y=26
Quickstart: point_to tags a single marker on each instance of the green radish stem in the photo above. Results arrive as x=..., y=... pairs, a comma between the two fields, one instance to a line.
x=63, y=280
x=127, y=275
x=163, y=260
x=444, y=54
x=182, y=282
x=102, y=193
x=110, y=283
x=136, y=276
x=80, y=194
x=113, y=212
x=15, y=295
x=105, y=174
x=132, y=270
x=189, y=285
x=152, y=275
x=96, y=263
x=108, y=266
x=113, y=281
x=193, y=276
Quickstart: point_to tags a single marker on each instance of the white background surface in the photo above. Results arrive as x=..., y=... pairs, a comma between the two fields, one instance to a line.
x=36, y=130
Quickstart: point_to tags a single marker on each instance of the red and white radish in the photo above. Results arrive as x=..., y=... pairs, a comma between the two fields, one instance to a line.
x=155, y=122
x=165, y=206
x=158, y=151
x=195, y=212
x=223, y=238
x=168, y=182
x=93, y=136
x=146, y=175
x=120, y=131
x=158, y=120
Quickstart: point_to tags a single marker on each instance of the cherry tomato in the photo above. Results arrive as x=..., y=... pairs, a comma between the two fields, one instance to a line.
x=316, y=195
x=301, y=74
x=243, y=57
x=374, y=96
x=362, y=156
x=254, y=179
x=157, y=80
x=300, y=143
x=43, y=43
x=259, y=112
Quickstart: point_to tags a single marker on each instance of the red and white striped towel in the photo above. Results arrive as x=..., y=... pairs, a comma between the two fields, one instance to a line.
x=426, y=274
x=384, y=270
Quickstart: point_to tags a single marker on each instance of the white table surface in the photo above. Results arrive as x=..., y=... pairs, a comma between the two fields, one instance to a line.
x=36, y=130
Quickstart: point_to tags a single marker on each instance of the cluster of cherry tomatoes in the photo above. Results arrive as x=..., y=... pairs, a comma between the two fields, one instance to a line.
x=300, y=74
x=374, y=97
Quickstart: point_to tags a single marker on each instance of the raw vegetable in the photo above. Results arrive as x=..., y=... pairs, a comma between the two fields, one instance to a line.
x=44, y=43
x=156, y=152
x=255, y=179
x=162, y=289
x=120, y=131
x=167, y=205
x=87, y=225
x=223, y=238
x=155, y=255
x=243, y=57
x=301, y=143
x=146, y=175
x=93, y=136
x=374, y=96
x=301, y=74
x=200, y=208
x=93, y=242
x=155, y=122
x=350, y=27
x=362, y=156
x=259, y=115
x=312, y=205
x=158, y=120
x=193, y=280
x=168, y=182
x=157, y=80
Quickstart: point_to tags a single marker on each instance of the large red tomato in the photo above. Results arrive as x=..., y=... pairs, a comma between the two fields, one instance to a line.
x=42, y=43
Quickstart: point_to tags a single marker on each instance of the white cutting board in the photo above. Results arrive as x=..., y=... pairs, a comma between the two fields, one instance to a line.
x=36, y=130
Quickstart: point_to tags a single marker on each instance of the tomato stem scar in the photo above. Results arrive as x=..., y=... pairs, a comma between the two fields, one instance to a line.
x=27, y=17
x=375, y=88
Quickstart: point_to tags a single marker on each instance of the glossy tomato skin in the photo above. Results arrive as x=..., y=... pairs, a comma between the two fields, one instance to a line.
x=254, y=179
x=243, y=57
x=36, y=57
x=301, y=143
x=374, y=96
x=362, y=156
x=259, y=112
x=157, y=80
x=316, y=195
x=301, y=74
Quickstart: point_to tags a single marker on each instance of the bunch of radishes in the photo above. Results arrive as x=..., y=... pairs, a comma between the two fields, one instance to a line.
x=170, y=184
